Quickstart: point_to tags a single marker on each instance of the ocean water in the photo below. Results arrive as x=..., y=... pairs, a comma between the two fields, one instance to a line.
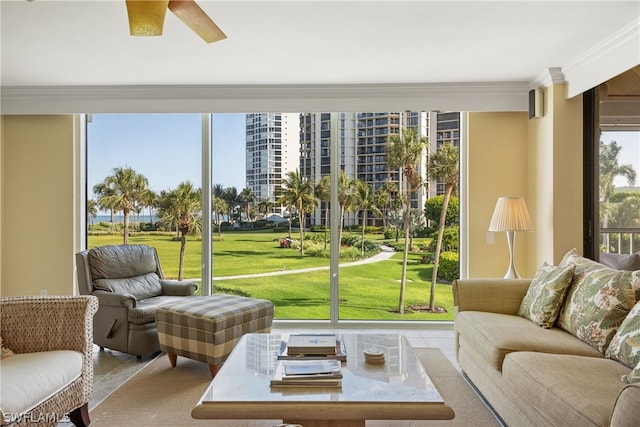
x=120, y=218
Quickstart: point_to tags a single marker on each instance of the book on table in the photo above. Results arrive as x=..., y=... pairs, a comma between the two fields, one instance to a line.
x=308, y=373
x=339, y=353
x=311, y=344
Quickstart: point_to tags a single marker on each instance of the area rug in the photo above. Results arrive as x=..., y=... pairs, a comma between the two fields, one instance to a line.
x=160, y=395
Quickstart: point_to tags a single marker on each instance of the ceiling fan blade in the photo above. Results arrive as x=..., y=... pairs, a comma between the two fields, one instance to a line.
x=196, y=18
x=146, y=18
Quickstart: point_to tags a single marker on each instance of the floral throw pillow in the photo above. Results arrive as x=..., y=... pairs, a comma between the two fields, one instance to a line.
x=597, y=301
x=633, y=376
x=544, y=297
x=625, y=345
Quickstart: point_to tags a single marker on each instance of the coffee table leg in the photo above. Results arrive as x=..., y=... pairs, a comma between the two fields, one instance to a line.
x=327, y=423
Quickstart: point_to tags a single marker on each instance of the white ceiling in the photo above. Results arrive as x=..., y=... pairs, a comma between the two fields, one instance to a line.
x=86, y=43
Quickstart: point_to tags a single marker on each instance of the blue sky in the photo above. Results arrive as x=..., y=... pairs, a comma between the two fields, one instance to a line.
x=166, y=148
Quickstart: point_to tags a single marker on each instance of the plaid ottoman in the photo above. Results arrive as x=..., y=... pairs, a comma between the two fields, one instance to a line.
x=207, y=328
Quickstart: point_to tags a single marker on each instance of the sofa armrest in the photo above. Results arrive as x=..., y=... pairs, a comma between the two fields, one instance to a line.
x=626, y=411
x=491, y=295
x=107, y=298
x=178, y=287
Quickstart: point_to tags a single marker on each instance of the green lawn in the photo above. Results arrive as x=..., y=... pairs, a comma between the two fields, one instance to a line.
x=367, y=292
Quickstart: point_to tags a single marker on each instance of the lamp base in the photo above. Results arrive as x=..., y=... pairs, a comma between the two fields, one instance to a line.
x=512, y=273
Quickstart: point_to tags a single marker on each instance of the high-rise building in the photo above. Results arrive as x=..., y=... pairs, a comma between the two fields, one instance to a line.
x=272, y=150
x=363, y=140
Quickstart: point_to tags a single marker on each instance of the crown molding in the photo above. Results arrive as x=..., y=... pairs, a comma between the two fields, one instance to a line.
x=551, y=76
x=501, y=96
x=612, y=56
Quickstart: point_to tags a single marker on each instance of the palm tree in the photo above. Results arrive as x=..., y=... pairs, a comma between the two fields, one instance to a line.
x=344, y=198
x=383, y=200
x=219, y=206
x=92, y=210
x=404, y=153
x=298, y=192
x=264, y=207
x=443, y=167
x=247, y=197
x=363, y=201
x=323, y=193
x=122, y=191
x=230, y=195
x=610, y=168
x=181, y=208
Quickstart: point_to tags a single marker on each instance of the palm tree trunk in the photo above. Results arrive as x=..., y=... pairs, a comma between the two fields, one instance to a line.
x=301, y=224
x=341, y=224
x=183, y=248
x=326, y=219
x=126, y=226
x=364, y=221
x=436, y=257
x=405, y=255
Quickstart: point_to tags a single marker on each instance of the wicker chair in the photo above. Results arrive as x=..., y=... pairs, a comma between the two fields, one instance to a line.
x=34, y=324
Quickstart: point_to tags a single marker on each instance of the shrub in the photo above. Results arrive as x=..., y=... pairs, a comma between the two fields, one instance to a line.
x=390, y=233
x=449, y=240
x=449, y=266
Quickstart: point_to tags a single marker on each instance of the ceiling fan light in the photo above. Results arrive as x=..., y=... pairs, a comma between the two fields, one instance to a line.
x=146, y=18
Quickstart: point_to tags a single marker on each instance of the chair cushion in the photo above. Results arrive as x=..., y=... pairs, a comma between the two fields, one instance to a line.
x=621, y=261
x=28, y=379
x=118, y=261
x=125, y=269
x=142, y=287
x=145, y=310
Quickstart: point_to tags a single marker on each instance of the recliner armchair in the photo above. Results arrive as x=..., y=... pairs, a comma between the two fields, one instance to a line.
x=129, y=285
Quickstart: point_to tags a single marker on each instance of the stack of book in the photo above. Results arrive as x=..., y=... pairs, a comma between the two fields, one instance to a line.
x=308, y=373
x=313, y=347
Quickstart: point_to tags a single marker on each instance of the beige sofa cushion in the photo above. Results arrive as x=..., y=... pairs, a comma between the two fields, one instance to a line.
x=28, y=379
x=495, y=335
x=569, y=390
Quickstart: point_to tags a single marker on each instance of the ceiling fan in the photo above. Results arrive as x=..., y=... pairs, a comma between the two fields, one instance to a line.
x=146, y=18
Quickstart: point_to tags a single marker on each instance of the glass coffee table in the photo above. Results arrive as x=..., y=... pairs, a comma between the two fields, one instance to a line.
x=400, y=389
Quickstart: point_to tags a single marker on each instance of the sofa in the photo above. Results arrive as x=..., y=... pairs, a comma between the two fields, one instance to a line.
x=46, y=367
x=130, y=286
x=559, y=349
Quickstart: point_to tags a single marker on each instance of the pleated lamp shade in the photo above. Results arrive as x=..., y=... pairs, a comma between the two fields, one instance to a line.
x=510, y=214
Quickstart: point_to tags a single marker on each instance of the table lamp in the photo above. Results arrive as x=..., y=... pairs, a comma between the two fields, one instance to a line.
x=511, y=215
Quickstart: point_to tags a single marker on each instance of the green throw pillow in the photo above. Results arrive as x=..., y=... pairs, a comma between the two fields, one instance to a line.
x=625, y=345
x=597, y=301
x=546, y=292
x=634, y=376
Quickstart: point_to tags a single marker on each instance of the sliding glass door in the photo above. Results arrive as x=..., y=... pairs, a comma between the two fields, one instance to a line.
x=308, y=210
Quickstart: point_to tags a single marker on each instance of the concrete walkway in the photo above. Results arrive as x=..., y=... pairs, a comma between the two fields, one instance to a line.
x=385, y=253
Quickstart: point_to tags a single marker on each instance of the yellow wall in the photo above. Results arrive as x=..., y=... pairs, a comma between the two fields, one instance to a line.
x=554, y=157
x=508, y=155
x=37, y=220
x=497, y=167
x=538, y=159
